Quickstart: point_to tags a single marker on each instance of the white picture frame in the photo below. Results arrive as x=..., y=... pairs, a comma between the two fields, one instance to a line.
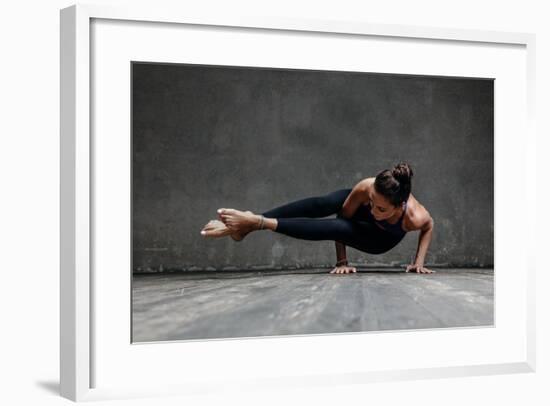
x=77, y=246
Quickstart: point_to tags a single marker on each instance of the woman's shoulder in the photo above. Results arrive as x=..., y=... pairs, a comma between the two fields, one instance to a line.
x=416, y=214
x=367, y=183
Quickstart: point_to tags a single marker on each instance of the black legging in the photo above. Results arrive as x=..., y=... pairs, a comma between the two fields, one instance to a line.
x=299, y=219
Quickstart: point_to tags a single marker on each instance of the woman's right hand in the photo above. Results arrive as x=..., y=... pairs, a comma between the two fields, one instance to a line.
x=344, y=269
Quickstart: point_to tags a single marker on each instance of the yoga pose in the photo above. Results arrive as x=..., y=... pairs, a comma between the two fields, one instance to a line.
x=372, y=217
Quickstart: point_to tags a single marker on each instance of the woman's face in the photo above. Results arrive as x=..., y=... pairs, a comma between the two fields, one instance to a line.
x=381, y=208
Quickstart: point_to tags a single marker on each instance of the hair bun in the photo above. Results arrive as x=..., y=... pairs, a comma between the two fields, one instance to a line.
x=402, y=172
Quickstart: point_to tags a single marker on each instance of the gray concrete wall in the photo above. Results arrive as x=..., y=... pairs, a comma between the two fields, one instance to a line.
x=206, y=137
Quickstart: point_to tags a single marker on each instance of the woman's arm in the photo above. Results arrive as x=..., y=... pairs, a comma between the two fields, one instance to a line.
x=341, y=258
x=350, y=206
x=342, y=263
x=424, y=240
x=358, y=195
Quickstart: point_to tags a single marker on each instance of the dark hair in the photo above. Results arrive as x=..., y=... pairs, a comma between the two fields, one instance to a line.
x=395, y=184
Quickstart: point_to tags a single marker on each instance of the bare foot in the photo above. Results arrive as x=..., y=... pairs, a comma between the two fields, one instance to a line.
x=216, y=229
x=241, y=221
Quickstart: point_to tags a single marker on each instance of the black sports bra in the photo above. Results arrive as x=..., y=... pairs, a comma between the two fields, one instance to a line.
x=395, y=229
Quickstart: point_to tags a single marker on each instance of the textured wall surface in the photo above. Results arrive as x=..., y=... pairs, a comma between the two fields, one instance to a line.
x=206, y=137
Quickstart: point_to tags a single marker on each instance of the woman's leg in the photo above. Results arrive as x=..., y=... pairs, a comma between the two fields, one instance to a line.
x=354, y=232
x=317, y=206
x=360, y=235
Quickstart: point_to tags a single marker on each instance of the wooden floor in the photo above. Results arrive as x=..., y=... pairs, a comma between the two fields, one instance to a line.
x=206, y=305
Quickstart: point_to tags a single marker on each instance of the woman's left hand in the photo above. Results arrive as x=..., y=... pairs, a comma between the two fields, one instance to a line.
x=419, y=268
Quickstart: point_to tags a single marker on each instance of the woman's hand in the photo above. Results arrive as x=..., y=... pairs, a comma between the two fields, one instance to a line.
x=344, y=269
x=419, y=268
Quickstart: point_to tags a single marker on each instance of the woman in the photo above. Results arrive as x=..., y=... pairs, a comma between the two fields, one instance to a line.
x=372, y=217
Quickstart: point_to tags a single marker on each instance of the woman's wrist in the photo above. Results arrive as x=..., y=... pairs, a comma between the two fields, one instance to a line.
x=341, y=262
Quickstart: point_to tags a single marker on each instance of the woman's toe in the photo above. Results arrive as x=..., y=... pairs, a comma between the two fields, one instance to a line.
x=211, y=224
x=227, y=211
x=215, y=229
